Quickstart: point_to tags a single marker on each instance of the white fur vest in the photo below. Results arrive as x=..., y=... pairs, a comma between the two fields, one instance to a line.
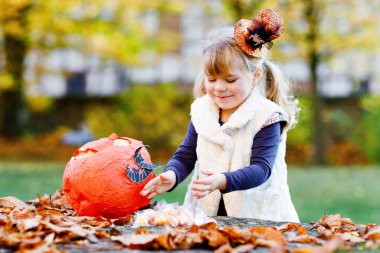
x=228, y=148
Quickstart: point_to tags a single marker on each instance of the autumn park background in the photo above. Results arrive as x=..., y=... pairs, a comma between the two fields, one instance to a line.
x=72, y=71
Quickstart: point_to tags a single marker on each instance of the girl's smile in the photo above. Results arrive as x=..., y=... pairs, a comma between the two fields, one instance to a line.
x=223, y=97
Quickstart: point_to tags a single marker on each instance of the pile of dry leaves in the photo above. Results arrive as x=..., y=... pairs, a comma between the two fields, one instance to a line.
x=42, y=224
x=49, y=224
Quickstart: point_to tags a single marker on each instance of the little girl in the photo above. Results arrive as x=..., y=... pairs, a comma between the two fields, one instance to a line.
x=235, y=142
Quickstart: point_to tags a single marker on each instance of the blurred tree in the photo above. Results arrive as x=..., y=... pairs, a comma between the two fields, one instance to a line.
x=13, y=23
x=316, y=30
x=113, y=29
x=322, y=29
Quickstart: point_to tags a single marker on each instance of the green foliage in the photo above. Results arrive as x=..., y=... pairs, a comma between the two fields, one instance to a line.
x=301, y=134
x=369, y=134
x=39, y=104
x=341, y=122
x=299, y=142
x=156, y=115
x=111, y=29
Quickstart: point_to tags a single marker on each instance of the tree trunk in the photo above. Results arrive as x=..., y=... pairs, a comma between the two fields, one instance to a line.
x=14, y=111
x=312, y=16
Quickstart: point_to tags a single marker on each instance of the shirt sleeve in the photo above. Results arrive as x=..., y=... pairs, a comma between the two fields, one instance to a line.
x=264, y=152
x=183, y=161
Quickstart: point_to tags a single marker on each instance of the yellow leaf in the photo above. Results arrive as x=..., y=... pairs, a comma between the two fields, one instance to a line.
x=13, y=28
x=6, y=81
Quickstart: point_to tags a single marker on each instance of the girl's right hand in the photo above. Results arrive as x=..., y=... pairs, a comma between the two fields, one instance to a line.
x=160, y=184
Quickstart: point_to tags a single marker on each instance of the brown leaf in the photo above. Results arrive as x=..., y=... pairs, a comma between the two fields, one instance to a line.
x=209, y=225
x=6, y=222
x=287, y=227
x=236, y=235
x=353, y=237
x=215, y=238
x=163, y=241
x=25, y=224
x=99, y=224
x=324, y=233
x=45, y=245
x=301, y=230
x=45, y=201
x=304, y=250
x=243, y=248
x=189, y=239
x=331, y=246
x=122, y=221
x=226, y=248
x=373, y=234
x=269, y=234
x=135, y=239
x=87, y=248
x=347, y=221
x=142, y=230
x=75, y=229
x=333, y=221
x=265, y=243
x=14, y=240
x=305, y=238
x=179, y=240
x=46, y=212
x=13, y=202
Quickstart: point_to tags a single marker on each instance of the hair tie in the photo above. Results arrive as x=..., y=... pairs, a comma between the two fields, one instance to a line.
x=255, y=37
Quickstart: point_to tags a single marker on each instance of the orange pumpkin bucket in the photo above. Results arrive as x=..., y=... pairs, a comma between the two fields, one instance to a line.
x=105, y=177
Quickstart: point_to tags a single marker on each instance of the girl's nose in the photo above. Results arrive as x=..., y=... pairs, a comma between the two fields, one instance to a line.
x=220, y=86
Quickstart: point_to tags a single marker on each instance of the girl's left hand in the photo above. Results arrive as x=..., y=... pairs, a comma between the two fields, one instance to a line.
x=208, y=184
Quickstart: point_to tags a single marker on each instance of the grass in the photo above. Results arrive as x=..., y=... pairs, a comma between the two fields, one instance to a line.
x=352, y=192
x=25, y=179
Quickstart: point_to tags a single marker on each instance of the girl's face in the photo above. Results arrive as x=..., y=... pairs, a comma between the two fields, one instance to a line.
x=229, y=91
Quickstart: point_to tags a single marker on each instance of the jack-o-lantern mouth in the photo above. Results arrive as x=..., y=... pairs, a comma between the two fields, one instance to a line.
x=82, y=153
x=121, y=141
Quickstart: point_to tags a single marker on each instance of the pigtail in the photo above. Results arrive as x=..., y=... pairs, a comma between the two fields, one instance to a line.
x=199, y=89
x=277, y=90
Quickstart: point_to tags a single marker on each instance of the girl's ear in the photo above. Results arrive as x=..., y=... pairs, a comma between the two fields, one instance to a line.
x=257, y=75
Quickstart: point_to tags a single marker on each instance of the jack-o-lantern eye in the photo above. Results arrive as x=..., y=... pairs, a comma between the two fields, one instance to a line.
x=121, y=141
x=82, y=153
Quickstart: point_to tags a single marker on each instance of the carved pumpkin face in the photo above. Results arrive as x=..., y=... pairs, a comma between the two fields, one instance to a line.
x=105, y=177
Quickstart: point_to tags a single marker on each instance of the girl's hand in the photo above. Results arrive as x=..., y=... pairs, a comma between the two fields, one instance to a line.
x=163, y=183
x=212, y=182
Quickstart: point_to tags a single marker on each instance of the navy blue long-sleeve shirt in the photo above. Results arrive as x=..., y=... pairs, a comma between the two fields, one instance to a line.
x=264, y=151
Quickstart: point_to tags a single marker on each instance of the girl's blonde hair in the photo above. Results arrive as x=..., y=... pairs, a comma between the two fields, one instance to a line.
x=222, y=55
